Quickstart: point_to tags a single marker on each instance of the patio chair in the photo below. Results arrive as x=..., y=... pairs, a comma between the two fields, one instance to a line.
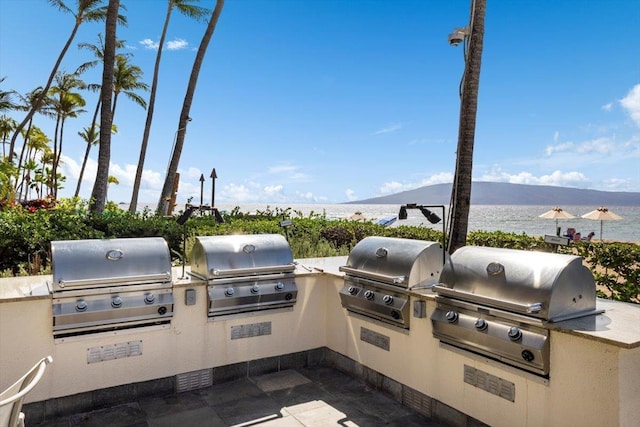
x=11, y=399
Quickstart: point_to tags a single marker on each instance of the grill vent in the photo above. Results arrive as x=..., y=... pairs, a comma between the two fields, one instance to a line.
x=114, y=351
x=194, y=380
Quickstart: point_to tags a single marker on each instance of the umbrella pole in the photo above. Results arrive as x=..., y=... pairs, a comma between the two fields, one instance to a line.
x=600, y=230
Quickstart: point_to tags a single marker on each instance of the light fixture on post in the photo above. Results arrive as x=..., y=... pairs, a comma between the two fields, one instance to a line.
x=458, y=36
x=431, y=217
x=182, y=220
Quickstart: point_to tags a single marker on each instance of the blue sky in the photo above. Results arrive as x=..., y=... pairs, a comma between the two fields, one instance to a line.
x=328, y=101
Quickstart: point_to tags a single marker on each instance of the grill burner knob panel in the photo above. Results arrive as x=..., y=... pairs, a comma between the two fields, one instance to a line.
x=368, y=294
x=514, y=333
x=481, y=325
x=149, y=298
x=388, y=299
x=229, y=292
x=116, y=302
x=451, y=316
x=279, y=286
x=255, y=289
x=81, y=305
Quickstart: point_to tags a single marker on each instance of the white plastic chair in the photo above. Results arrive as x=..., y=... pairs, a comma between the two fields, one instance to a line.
x=11, y=399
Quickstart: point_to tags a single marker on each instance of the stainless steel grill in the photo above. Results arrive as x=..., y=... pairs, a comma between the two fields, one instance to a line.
x=245, y=273
x=380, y=271
x=110, y=284
x=499, y=302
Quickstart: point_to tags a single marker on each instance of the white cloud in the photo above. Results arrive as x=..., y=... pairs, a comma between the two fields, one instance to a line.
x=149, y=44
x=193, y=173
x=351, y=195
x=631, y=103
x=282, y=169
x=177, y=44
x=607, y=107
x=556, y=178
x=389, y=129
x=273, y=189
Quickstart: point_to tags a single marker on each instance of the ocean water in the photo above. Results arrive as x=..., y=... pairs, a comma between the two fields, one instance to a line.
x=508, y=218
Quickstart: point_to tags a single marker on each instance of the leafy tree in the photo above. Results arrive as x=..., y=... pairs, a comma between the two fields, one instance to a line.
x=191, y=11
x=461, y=189
x=167, y=188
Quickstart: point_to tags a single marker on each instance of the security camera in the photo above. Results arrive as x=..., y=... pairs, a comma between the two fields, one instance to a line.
x=458, y=36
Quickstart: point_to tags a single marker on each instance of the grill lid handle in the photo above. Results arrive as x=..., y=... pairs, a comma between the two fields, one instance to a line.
x=106, y=281
x=532, y=308
x=252, y=270
x=398, y=280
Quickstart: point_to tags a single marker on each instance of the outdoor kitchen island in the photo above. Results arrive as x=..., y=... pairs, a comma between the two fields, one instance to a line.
x=594, y=361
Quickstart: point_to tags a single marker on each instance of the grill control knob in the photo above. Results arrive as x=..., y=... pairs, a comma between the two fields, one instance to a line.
x=149, y=298
x=229, y=292
x=116, y=302
x=279, y=286
x=395, y=314
x=368, y=294
x=162, y=310
x=514, y=333
x=352, y=290
x=255, y=289
x=451, y=316
x=81, y=305
x=528, y=355
x=481, y=324
x=388, y=299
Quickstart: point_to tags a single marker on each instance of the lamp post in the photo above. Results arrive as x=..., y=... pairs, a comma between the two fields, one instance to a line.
x=431, y=217
x=182, y=220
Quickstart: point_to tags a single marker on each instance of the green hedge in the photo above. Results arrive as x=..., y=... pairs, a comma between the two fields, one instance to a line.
x=25, y=238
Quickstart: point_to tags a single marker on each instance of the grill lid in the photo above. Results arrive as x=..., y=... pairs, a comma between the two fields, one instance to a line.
x=405, y=263
x=548, y=286
x=215, y=257
x=107, y=262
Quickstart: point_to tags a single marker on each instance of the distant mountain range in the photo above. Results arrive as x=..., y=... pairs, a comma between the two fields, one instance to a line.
x=500, y=193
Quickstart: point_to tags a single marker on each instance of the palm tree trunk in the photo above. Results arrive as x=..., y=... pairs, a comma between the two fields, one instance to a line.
x=99, y=193
x=461, y=189
x=88, y=150
x=165, y=196
x=133, y=205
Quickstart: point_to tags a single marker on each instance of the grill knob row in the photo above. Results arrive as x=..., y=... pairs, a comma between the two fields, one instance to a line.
x=514, y=333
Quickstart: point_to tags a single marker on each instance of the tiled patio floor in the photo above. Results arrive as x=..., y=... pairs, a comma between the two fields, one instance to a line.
x=315, y=396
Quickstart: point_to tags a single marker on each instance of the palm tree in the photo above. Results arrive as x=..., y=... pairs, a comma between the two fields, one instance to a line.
x=91, y=135
x=99, y=192
x=87, y=10
x=36, y=142
x=167, y=188
x=461, y=189
x=7, y=126
x=126, y=80
x=112, y=180
x=191, y=11
x=65, y=103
